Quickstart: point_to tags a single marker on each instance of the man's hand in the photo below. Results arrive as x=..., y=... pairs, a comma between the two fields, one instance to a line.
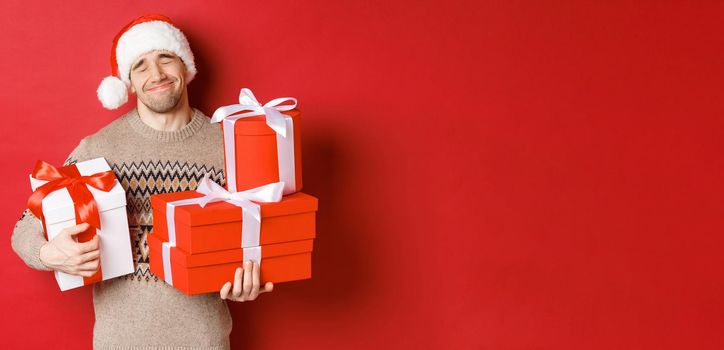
x=64, y=254
x=246, y=284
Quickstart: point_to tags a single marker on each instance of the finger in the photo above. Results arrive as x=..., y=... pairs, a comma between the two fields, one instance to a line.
x=268, y=287
x=91, y=255
x=237, y=283
x=247, y=279
x=224, y=292
x=76, y=229
x=90, y=265
x=89, y=246
x=254, y=281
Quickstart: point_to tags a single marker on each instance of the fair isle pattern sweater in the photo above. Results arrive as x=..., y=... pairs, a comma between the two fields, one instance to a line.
x=139, y=310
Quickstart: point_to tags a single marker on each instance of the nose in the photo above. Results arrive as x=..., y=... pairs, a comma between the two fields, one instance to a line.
x=157, y=72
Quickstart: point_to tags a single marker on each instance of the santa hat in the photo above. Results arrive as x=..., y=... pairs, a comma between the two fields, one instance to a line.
x=144, y=34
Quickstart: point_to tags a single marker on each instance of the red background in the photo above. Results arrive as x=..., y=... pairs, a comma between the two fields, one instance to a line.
x=492, y=174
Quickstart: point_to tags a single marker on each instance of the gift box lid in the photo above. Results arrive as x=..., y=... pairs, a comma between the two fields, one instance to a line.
x=220, y=212
x=256, y=126
x=231, y=255
x=58, y=205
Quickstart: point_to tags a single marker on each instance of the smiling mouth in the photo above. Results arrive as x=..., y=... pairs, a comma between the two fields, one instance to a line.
x=160, y=87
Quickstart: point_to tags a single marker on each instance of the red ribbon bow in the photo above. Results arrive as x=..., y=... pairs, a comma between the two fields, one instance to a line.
x=86, y=208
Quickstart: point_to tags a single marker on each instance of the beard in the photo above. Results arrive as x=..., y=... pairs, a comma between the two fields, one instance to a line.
x=162, y=103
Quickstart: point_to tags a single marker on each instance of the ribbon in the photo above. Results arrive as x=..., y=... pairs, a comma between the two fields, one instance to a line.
x=281, y=124
x=85, y=206
x=251, y=216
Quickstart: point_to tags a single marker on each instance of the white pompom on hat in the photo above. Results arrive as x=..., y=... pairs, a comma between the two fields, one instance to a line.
x=144, y=34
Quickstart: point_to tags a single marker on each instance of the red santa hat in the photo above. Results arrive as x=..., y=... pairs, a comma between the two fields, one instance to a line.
x=144, y=34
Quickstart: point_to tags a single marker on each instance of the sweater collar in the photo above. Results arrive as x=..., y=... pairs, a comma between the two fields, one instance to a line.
x=197, y=121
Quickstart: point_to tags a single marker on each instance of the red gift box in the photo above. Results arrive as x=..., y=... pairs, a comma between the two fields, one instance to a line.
x=207, y=272
x=218, y=225
x=256, y=153
x=200, y=237
x=262, y=145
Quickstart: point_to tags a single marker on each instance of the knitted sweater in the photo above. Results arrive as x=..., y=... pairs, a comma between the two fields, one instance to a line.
x=139, y=310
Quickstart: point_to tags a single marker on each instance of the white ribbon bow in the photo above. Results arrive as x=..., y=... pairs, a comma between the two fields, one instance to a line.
x=247, y=101
x=281, y=124
x=251, y=216
x=270, y=193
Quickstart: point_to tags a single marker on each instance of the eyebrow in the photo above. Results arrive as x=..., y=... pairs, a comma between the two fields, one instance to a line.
x=143, y=60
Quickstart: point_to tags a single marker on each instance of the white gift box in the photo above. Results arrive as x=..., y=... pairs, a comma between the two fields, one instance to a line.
x=115, y=240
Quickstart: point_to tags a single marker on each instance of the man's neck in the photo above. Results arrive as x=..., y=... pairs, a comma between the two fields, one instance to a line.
x=172, y=120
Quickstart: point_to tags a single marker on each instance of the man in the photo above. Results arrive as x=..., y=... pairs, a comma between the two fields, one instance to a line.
x=163, y=145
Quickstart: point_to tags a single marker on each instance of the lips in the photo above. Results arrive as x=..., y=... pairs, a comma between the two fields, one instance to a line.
x=160, y=87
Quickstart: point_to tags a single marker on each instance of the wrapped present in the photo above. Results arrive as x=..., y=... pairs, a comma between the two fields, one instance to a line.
x=261, y=145
x=232, y=220
x=207, y=272
x=201, y=236
x=84, y=192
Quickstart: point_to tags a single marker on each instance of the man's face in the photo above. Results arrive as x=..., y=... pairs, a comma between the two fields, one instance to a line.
x=158, y=79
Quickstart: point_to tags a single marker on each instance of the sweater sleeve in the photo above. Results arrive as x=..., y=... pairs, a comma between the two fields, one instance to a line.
x=28, y=237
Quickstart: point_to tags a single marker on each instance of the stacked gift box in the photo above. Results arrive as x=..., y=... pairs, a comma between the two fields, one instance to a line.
x=200, y=237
